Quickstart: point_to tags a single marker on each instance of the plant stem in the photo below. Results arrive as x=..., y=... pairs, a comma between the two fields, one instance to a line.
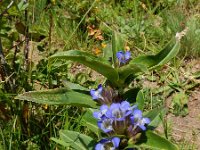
x=4, y=71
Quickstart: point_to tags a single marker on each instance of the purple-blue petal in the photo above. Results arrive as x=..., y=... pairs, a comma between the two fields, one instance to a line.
x=123, y=57
x=105, y=125
x=104, y=108
x=97, y=115
x=133, y=107
x=120, y=54
x=125, y=105
x=109, y=113
x=146, y=120
x=100, y=88
x=99, y=146
x=137, y=114
x=127, y=55
x=114, y=106
x=142, y=127
x=94, y=94
x=132, y=119
x=128, y=113
x=116, y=142
x=103, y=141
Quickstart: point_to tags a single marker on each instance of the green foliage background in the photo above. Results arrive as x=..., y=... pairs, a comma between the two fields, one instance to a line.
x=33, y=30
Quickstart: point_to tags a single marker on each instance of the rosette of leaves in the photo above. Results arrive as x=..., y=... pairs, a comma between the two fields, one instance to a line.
x=119, y=77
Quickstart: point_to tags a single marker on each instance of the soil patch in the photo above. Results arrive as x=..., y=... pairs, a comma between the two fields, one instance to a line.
x=188, y=128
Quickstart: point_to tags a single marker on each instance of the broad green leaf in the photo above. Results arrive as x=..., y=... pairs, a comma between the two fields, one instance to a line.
x=22, y=5
x=107, y=53
x=167, y=54
x=153, y=141
x=100, y=65
x=140, y=100
x=61, y=142
x=89, y=121
x=130, y=69
x=117, y=45
x=62, y=96
x=158, y=119
x=154, y=115
x=77, y=140
x=73, y=86
x=153, y=61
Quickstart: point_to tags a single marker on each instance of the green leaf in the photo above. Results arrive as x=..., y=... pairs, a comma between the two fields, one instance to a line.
x=155, y=116
x=77, y=140
x=158, y=118
x=62, y=96
x=130, y=69
x=22, y=5
x=61, y=142
x=140, y=100
x=89, y=121
x=100, y=65
x=117, y=45
x=73, y=86
x=107, y=52
x=148, y=62
x=154, y=61
x=153, y=141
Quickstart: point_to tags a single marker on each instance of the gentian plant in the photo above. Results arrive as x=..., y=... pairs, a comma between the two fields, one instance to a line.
x=112, y=108
x=117, y=117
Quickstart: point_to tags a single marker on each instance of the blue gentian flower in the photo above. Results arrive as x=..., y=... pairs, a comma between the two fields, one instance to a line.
x=105, y=124
x=141, y=123
x=137, y=114
x=126, y=106
x=138, y=120
x=123, y=57
x=97, y=94
x=101, y=113
x=119, y=111
x=108, y=144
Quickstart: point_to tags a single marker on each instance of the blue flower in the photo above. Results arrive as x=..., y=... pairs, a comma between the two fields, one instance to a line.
x=119, y=111
x=97, y=94
x=105, y=124
x=138, y=120
x=101, y=113
x=126, y=106
x=111, y=144
x=123, y=57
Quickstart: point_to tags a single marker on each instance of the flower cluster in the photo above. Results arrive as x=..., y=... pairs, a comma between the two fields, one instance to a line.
x=116, y=118
x=104, y=96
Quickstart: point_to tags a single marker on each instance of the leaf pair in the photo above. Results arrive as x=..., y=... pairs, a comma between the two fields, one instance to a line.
x=118, y=76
